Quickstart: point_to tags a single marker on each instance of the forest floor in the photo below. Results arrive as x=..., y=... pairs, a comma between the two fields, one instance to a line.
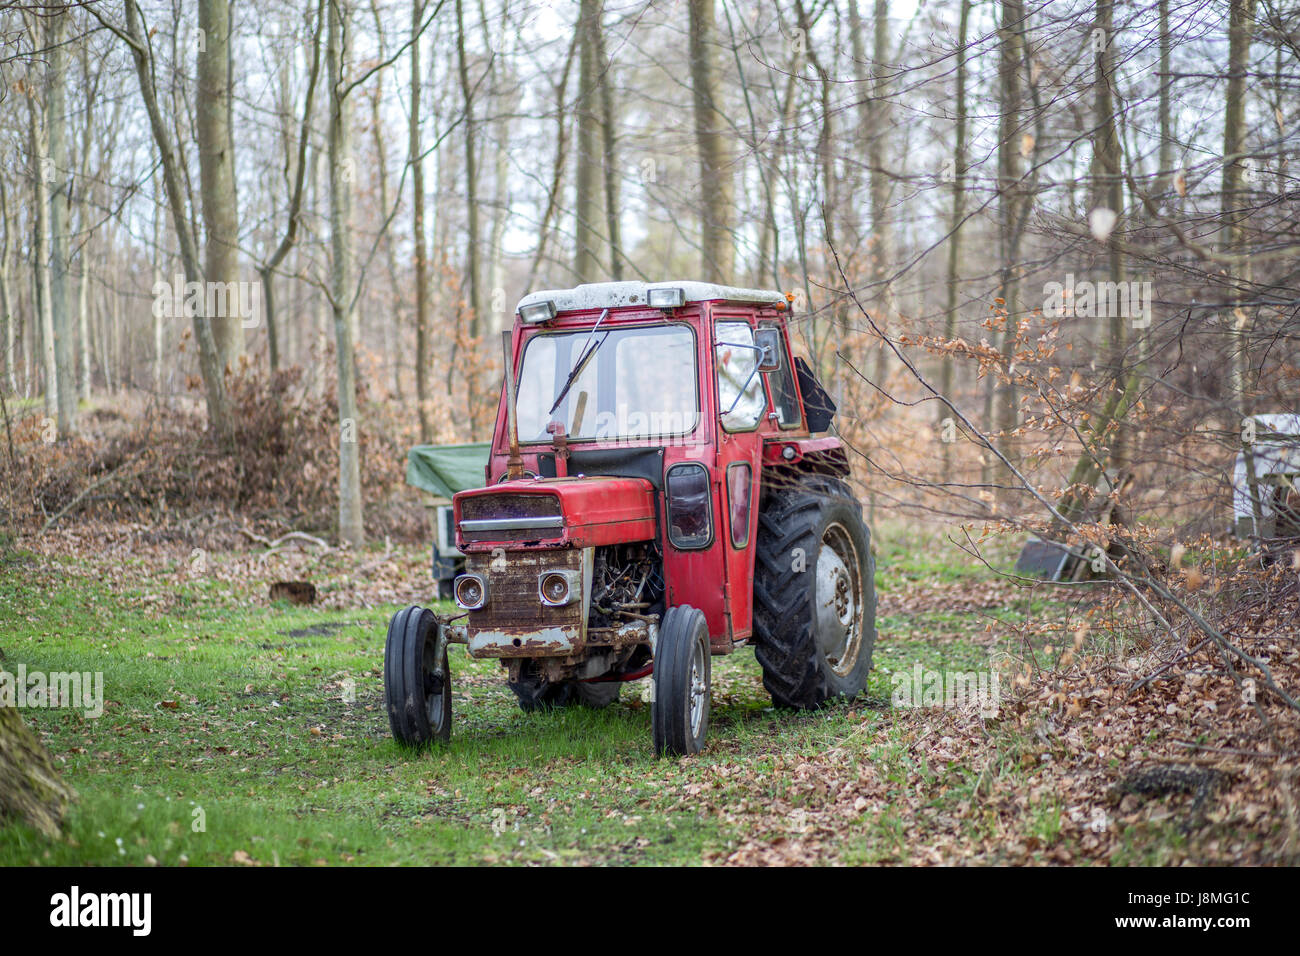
x=237, y=730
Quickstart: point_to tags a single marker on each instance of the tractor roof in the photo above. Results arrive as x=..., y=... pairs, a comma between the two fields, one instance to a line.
x=615, y=295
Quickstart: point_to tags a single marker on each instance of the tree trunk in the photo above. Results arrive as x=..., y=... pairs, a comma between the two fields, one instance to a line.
x=351, y=529
x=60, y=307
x=158, y=260
x=1108, y=192
x=1241, y=18
x=104, y=339
x=416, y=154
x=210, y=362
x=954, y=232
x=1165, y=110
x=587, y=201
x=7, y=311
x=217, y=175
x=501, y=313
x=609, y=141
x=321, y=325
x=550, y=212
x=1107, y=430
x=473, y=254
x=28, y=331
x=830, y=204
x=882, y=245
x=1011, y=28
x=40, y=257
x=769, y=246
x=83, y=328
x=715, y=196
x=395, y=307
x=30, y=791
x=86, y=218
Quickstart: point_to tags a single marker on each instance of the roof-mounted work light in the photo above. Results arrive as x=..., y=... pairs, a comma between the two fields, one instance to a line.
x=670, y=297
x=535, y=313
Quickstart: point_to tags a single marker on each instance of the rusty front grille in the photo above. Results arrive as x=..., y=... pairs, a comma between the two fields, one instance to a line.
x=502, y=509
x=509, y=506
x=513, y=534
x=513, y=602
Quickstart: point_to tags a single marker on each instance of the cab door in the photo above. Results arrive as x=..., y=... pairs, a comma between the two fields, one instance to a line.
x=740, y=401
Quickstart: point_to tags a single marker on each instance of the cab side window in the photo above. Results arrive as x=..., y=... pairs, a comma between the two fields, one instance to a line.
x=785, y=400
x=741, y=400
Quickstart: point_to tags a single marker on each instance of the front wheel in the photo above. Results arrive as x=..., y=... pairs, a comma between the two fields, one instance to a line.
x=417, y=681
x=682, y=675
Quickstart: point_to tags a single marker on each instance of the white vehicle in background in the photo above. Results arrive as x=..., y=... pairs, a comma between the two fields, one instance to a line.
x=1266, y=479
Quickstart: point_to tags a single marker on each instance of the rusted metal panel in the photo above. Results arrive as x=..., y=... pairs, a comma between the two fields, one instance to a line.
x=625, y=635
x=525, y=642
x=513, y=600
x=515, y=622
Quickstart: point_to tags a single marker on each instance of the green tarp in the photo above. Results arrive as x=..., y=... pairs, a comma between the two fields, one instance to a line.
x=443, y=470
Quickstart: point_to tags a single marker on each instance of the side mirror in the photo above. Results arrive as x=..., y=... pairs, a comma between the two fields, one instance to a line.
x=769, y=344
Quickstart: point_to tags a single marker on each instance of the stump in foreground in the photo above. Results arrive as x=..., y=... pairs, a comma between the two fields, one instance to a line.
x=30, y=790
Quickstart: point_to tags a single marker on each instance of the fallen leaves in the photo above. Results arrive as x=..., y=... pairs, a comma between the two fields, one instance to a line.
x=1159, y=756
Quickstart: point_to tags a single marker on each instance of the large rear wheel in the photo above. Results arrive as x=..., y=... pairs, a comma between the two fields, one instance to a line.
x=814, y=594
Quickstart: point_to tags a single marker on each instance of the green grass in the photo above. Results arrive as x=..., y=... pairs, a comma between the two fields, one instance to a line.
x=229, y=736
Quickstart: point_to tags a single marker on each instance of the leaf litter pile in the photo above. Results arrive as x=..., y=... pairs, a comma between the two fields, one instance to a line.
x=1101, y=748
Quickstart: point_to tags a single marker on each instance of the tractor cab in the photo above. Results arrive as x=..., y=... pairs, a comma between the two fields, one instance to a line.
x=655, y=495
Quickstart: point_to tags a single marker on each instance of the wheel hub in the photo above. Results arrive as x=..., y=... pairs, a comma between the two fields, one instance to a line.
x=699, y=689
x=433, y=684
x=839, y=600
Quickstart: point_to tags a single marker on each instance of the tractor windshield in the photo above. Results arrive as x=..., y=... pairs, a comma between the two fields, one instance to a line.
x=639, y=384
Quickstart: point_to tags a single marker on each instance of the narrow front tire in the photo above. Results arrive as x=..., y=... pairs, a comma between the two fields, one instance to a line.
x=682, y=683
x=417, y=680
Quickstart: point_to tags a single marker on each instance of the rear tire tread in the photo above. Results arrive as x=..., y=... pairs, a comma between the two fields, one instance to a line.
x=784, y=642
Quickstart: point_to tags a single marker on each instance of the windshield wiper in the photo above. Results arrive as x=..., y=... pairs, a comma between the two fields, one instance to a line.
x=583, y=358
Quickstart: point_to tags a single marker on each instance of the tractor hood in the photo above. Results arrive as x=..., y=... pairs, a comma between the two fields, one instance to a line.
x=575, y=512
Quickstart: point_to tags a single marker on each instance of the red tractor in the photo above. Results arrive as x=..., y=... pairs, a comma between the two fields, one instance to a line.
x=654, y=496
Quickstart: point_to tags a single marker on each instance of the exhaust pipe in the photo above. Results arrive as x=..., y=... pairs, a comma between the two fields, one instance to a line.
x=514, y=463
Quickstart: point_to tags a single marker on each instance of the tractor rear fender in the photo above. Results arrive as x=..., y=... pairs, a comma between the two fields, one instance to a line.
x=822, y=456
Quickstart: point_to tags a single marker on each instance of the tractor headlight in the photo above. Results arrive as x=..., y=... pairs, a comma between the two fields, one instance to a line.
x=471, y=592
x=558, y=588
